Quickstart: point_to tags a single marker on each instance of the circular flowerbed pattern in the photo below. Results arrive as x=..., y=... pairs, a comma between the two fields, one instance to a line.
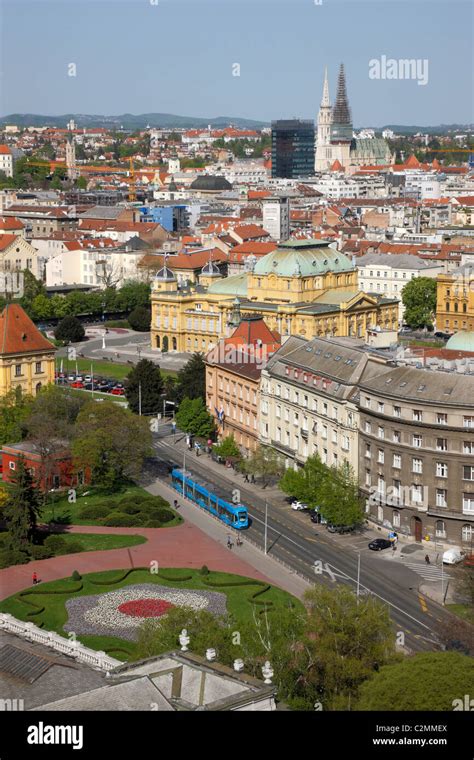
x=146, y=608
x=120, y=613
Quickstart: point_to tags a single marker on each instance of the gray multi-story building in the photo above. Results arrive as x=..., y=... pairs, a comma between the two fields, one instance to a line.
x=292, y=148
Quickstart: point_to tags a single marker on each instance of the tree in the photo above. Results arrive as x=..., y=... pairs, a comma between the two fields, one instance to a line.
x=419, y=300
x=70, y=330
x=429, y=681
x=144, y=382
x=58, y=306
x=264, y=462
x=192, y=378
x=50, y=425
x=307, y=483
x=22, y=510
x=341, y=503
x=227, y=448
x=41, y=307
x=140, y=319
x=81, y=182
x=193, y=417
x=14, y=408
x=346, y=639
x=111, y=442
x=133, y=293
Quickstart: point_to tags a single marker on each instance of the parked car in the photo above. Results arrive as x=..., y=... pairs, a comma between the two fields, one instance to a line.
x=340, y=528
x=117, y=392
x=380, y=543
x=299, y=506
x=77, y=384
x=453, y=556
x=89, y=387
x=315, y=517
x=439, y=334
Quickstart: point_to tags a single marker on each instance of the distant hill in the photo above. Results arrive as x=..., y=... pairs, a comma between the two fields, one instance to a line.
x=128, y=121
x=440, y=129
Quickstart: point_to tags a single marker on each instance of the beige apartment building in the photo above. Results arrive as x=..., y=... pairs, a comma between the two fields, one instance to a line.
x=416, y=453
x=308, y=400
x=26, y=357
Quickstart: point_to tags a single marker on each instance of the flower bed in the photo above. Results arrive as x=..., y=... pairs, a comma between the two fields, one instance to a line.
x=120, y=613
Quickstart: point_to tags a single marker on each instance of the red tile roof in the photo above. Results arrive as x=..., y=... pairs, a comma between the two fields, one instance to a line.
x=5, y=150
x=10, y=223
x=258, y=248
x=18, y=334
x=6, y=240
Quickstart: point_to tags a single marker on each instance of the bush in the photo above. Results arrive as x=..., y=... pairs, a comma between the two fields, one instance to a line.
x=94, y=513
x=162, y=514
x=9, y=557
x=55, y=544
x=153, y=524
x=73, y=547
x=204, y=570
x=76, y=576
x=4, y=539
x=69, y=329
x=121, y=520
x=41, y=552
x=129, y=509
x=140, y=319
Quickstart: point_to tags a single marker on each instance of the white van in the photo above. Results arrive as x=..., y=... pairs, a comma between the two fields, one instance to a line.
x=452, y=556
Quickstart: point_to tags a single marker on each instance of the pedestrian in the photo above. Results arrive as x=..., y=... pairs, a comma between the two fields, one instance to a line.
x=175, y=504
x=427, y=559
x=252, y=478
x=246, y=478
x=239, y=541
x=35, y=579
x=229, y=541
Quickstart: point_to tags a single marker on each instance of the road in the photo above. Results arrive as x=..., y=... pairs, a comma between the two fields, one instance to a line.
x=307, y=549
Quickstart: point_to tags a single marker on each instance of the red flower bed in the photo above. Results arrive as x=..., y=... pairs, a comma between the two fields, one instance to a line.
x=145, y=608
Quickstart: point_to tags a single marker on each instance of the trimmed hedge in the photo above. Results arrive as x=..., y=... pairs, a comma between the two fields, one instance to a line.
x=121, y=520
x=95, y=513
x=9, y=557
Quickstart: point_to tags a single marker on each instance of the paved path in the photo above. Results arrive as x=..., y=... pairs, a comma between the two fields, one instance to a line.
x=182, y=546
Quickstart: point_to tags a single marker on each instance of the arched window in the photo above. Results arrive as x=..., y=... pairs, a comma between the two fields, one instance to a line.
x=396, y=518
x=440, y=528
x=37, y=388
x=158, y=341
x=380, y=514
x=175, y=344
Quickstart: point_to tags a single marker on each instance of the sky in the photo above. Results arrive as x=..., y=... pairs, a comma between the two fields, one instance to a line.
x=181, y=57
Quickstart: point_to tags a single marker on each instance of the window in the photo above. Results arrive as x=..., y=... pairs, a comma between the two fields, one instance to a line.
x=440, y=529
x=381, y=407
x=468, y=447
x=468, y=472
x=417, y=465
x=381, y=432
x=345, y=443
x=441, y=444
x=396, y=437
x=468, y=422
x=442, y=470
x=368, y=453
x=38, y=368
x=441, y=497
x=11, y=465
x=468, y=503
x=367, y=402
x=381, y=456
x=380, y=514
x=278, y=411
x=417, y=415
x=324, y=433
x=397, y=461
x=296, y=419
x=416, y=494
x=396, y=519
x=17, y=370
x=278, y=390
x=368, y=478
x=467, y=533
x=441, y=418
x=417, y=441
x=368, y=427
x=334, y=436
x=397, y=411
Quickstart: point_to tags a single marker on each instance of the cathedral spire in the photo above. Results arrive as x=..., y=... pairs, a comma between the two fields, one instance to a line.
x=325, y=102
x=341, y=113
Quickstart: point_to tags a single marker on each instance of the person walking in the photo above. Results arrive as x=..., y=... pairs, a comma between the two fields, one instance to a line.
x=427, y=559
x=35, y=579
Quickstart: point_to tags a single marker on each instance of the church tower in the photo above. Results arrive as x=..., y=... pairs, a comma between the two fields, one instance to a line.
x=71, y=158
x=323, y=153
x=341, y=123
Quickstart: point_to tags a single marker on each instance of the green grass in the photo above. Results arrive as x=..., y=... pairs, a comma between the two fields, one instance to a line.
x=104, y=369
x=463, y=611
x=424, y=343
x=88, y=394
x=101, y=542
x=64, y=512
x=241, y=600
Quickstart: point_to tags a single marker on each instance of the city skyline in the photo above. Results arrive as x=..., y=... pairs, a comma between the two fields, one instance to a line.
x=228, y=62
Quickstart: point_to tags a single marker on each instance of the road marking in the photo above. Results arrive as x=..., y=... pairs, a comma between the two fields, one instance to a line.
x=422, y=603
x=428, y=572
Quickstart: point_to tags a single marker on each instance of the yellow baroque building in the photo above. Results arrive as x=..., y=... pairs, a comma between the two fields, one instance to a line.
x=26, y=357
x=455, y=300
x=304, y=287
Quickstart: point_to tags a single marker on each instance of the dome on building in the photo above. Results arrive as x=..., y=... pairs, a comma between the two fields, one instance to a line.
x=211, y=270
x=210, y=183
x=461, y=341
x=165, y=274
x=303, y=258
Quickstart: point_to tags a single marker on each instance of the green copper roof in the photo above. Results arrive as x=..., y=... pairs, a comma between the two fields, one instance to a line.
x=235, y=285
x=303, y=258
x=461, y=341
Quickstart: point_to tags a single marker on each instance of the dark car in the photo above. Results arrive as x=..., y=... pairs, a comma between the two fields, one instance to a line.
x=315, y=517
x=443, y=335
x=380, y=543
x=340, y=528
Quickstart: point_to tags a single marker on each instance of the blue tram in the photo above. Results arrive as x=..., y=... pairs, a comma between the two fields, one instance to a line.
x=234, y=515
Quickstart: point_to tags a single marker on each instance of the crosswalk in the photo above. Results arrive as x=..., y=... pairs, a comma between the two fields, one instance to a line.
x=427, y=572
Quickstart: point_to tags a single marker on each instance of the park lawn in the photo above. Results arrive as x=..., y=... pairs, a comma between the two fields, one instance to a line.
x=67, y=513
x=97, y=542
x=89, y=397
x=464, y=611
x=54, y=615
